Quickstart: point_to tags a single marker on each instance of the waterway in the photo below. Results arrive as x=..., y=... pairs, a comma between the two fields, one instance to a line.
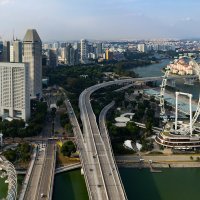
x=170, y=184
x=70, y=185
x=156, y=70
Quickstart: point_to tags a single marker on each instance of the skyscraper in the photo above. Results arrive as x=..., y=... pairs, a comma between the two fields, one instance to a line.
x=14, y=90
x=99, y=50
x=16, y=51
x=109, y=55
x=1, y=51
x=32, y=54
x=53, y=58
x=84, y=51
x=6, y=51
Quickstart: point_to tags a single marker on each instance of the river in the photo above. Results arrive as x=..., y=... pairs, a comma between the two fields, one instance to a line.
x=156, y=70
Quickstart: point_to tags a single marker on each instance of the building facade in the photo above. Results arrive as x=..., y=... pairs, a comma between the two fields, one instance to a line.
x=14, y=91
x=84, y=51
x=53, y=57
x=6, y=51
x=109, y=55
x=32, y=54
x=16, y=51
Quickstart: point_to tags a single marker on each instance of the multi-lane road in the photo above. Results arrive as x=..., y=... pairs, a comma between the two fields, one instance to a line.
x=45, y=186
x=106, y=182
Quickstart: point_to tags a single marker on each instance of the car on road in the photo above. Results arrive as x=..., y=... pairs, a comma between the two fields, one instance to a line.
x=42, y=195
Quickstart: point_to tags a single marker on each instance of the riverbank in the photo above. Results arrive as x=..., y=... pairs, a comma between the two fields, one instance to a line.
x=159, y=161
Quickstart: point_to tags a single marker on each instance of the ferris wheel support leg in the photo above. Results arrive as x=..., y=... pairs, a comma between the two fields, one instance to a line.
x=176, y=114
x=190, y=114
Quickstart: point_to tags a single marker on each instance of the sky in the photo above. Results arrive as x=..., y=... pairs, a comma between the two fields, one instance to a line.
x=101, y=19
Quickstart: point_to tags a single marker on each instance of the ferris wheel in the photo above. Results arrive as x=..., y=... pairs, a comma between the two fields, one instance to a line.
x=196, y=69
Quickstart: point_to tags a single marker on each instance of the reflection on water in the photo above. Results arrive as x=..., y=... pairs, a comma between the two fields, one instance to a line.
x=70, y=185
x=170, y=184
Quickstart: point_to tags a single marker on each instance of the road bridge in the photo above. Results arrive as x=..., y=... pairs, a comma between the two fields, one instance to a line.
x=46, y=181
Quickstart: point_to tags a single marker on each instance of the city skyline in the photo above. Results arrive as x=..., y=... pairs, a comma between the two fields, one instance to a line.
x=103, y=20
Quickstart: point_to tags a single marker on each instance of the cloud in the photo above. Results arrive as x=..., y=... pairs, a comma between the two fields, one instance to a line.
x=4, y=2
x=187, y=19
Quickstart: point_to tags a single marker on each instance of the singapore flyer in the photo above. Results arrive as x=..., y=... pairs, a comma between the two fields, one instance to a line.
x=180, y=134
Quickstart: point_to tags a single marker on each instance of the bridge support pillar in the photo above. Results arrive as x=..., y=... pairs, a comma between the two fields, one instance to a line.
x=82, y=172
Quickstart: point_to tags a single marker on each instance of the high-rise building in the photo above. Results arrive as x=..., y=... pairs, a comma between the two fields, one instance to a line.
x=53, y=58
x=32, y=54
x=16, y=51
x=6, y=51
x=71, y=55
x=142, y=48
x=1, y=51
x=14, y=90
x=99, y=50
x=84, y=51
x=109, y=55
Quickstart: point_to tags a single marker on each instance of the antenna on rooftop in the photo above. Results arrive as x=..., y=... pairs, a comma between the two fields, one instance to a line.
x=13, y=34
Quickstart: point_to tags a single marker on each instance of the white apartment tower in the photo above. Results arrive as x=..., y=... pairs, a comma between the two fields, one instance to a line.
x=84, y=51
x=14, y=90
x=142, y=48
x=32, y=54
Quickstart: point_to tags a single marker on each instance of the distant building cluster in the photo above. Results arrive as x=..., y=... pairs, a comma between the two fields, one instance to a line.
x=20, y=75
x=81, y=52
x=71, y=54
x=21, y=63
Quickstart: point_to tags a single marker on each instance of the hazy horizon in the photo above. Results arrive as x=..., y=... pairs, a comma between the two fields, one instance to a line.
x=67, y=20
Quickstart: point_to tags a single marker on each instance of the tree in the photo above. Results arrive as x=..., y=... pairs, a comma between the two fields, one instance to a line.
x=10, y=155
x=59, y=102
x=68, y=148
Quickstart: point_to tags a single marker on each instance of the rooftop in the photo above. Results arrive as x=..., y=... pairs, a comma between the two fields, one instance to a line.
x=32, y=36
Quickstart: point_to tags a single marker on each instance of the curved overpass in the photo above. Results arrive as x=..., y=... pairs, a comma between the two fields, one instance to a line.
x=106, y=182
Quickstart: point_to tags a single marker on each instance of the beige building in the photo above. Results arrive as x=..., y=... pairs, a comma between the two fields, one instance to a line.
x=16, y=51
x=14, y=90
x=32, y=54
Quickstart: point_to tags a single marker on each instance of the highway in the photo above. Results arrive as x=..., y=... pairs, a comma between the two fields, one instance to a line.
x=93, y=182
x=108, y=146
x=105, y=171
x=33, y=178
x=102, y=178
x=45, y=185
x=106, y=181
